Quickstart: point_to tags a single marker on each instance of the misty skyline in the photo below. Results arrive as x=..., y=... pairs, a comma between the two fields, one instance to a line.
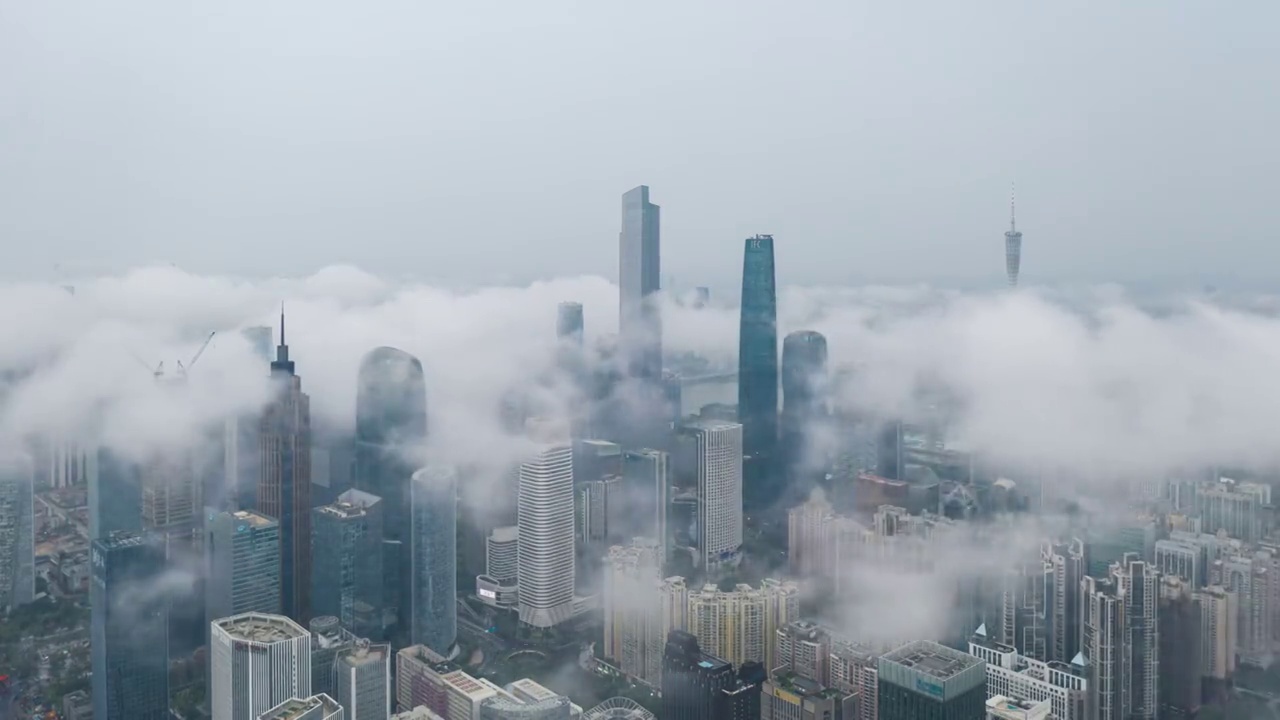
x=487, y=144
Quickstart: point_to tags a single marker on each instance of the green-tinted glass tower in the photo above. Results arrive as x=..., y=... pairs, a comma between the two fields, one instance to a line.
x=758, y=371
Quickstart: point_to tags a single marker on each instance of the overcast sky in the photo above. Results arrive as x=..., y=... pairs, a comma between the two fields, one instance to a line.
x=490, y=141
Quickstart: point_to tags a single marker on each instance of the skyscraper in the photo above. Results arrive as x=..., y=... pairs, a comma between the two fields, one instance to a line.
x=758, y=369
x=258, y=661
x=1012, y=247
x=645, y=487
x=115, y=494
x=284, y=488
x=544, y=514
x=569, y=323
x=640, y=322
x=362, y=681
x=1070, y=564
x=17, y=532
x=129, y=643
x=634, y=624
x=718, y=454
x=242, y=556
x=347, y=558
x=804, y=397
x=692, y=681
x=391, y=432
x=433, y=557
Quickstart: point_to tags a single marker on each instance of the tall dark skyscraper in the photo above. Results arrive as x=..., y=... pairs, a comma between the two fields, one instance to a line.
x=115, y=494
x=284, y=488
x=391, y=434
x=129, y=642
x=347, y=554
x=758, y=371
x=693, y=682
x=1012, y=247
x=640, y=321
x=927, y=681
x=889, y=451
x=804, y=396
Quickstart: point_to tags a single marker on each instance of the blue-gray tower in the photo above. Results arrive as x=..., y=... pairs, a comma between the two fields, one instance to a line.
x=640, y=322
x=129, y=643
x=758, y=371
x=391, y=437
x=347, y=577
x=1012, y=246
x=433, y=558
x=804, y=395
x=569, y=323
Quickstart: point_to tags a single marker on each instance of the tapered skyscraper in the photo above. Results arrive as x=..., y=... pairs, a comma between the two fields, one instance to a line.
x=758, y=369
x=391, y=432
x=640, y=324
x=1012, y=247
x=284, y=488
x=804, y=397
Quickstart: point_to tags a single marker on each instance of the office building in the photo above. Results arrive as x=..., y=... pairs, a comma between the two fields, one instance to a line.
x=257, y=662
x=284, y=488
x=635, y=627
x=498, y=585
x=128, y=640
x=544, y=515
x=692, y=681
x=569, y=323
x=433, y=553
x=639, y=280
x=718, y=454
x=804, y=400
x=347, y=560
x=362, y=681
x=391, y=434
x=1012, y=247
x=242, y=556
x=316, y=707
x=1018, y=677
x=17, y=533
x=597, y=501
x=506, y=707
x=328, y=640
x=758, y=369
x=646, y=486
x=927, y=681
x=115, y=494
x=741, y=625
x=786, y=696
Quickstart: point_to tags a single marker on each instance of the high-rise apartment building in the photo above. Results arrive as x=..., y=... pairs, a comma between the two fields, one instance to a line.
x=347, y=558
x=17, y=532
x=433, y=557
x=284, y=487
x=1027, y=589
x=1180, y=634
x=1219, y=622
x=639, y=279
x=808, y=548
x=927, y=681
x=854, y=672
x=544, y=514
x=257, y=662
x=718, y=454
x=635, y=627
x=1070, y=564
x=128, y=642
x=1120, y=639
x=242, y=564
x=391, y=435
x=692, y=681
x=741, y=625
x=1235, y=507
x=804, y=649
x=758, y=369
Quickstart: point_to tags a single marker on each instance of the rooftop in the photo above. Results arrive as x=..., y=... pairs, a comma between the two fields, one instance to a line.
x=363, y=654
x=932, y=659
x=261, y=628
x=253, y=518
x=295, y=708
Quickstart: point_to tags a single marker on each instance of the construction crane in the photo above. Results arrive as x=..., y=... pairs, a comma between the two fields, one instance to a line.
x=182, y=369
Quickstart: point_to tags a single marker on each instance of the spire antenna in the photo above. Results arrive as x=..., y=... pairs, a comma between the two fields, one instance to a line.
x=1013, y=224
x=282, y=322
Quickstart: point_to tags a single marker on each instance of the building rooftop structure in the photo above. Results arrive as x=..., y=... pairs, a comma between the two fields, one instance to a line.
x=932, y=659
x=252, y=518
x=297, y=708
x=261, y=628
x=1000, y=707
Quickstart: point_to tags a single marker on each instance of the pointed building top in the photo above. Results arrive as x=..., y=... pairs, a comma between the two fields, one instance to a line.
x=1013, y=224
x=981, y=631
x=282, y=365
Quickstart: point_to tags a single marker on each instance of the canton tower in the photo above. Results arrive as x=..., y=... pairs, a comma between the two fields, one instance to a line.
x=1012, y=246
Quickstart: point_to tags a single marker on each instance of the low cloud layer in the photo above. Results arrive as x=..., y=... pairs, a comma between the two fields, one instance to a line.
x=1090, y=380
